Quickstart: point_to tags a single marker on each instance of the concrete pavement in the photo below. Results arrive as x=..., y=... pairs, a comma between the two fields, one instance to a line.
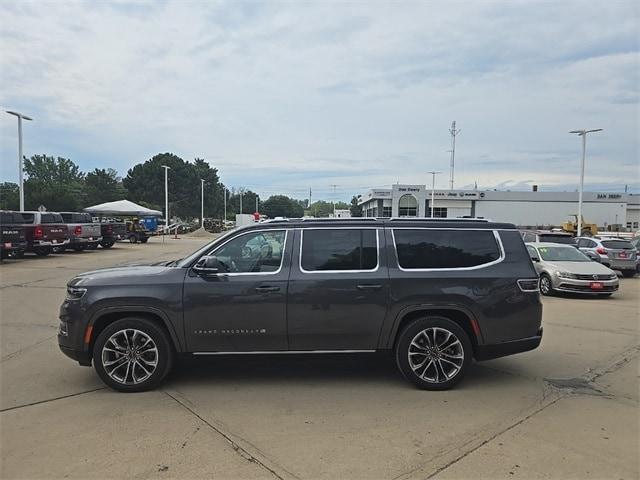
x=566, y=410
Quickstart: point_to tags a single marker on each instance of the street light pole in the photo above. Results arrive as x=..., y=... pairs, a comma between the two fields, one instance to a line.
x=224, y=191
x=20, y=157
x=201, y=203
x=240, y=193
x=583, y=134
x=166, y=197
x=433, y=190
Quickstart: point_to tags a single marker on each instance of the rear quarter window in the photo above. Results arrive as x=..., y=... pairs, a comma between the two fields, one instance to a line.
x=423, y=248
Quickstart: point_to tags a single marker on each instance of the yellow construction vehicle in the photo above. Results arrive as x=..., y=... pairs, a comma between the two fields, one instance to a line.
x=588, y=229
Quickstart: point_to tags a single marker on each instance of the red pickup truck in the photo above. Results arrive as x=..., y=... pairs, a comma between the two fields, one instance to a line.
x=44, y=231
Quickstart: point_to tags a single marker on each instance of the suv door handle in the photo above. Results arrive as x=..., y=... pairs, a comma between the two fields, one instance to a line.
x=267, y=289
x=369, y=287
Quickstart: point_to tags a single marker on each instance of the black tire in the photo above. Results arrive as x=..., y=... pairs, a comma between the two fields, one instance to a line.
x=432, y=377
x=92, y=246
x=133, y=239
x=79, y=248
x=164, y=359
x=144, y=239
x=107, y=244
x=628, y=273
x=42, y=251
x=546, y=285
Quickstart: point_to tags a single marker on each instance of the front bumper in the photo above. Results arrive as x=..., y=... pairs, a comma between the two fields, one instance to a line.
x=571, y=285
x=82, y=357
x=71, y=332
x=488, y=352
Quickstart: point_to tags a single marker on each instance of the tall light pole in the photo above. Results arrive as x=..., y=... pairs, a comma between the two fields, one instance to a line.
x=20, y=157
x=224, y=191
x=583, y=134
x=201, y=203
x=433, y=190
x=334, y=200
x=453, y=133
x=240, y=194
x=166, y=197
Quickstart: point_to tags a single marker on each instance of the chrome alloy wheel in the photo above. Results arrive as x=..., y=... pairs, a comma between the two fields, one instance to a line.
x=545, y=285
x=436, y=355
x=129, y=356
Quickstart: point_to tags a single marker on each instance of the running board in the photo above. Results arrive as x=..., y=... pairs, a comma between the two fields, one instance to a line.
x=281, y=352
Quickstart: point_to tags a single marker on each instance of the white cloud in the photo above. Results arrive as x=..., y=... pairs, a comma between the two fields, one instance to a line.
x=283, y=96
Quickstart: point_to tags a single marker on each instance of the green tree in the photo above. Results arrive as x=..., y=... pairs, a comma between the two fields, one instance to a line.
x=103, y=186
x=145, y=184
x=56, y=183
x=9, y=196
x=356, y=210
x=282, y=206
x=248, y=202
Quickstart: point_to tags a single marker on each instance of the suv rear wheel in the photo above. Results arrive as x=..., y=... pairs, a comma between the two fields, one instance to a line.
x=433, y=353
x=132, y=355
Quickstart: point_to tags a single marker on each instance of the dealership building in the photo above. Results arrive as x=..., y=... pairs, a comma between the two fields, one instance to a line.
x=527, y=209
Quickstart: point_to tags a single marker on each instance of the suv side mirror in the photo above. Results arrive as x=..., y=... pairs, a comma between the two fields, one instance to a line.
x=593, y=256
x=208, y=265
x=535, y=259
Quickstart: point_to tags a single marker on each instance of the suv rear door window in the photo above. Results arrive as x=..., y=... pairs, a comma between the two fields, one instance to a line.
x=339, y=249
x=424, y=248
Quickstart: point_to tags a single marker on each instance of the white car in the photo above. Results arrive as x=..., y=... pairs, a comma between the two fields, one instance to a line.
x=563, y=268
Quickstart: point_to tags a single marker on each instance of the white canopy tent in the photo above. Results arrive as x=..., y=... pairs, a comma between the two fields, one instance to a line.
x=122, y=207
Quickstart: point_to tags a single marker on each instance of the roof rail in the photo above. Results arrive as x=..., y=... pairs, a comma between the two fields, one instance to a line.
x=438, y=219
x=348, y=219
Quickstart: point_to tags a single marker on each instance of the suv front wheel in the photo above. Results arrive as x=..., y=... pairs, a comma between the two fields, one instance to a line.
x=132, y=355
x=434, y=353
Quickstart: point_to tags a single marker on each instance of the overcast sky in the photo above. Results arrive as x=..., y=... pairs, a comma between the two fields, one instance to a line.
x=283, y=97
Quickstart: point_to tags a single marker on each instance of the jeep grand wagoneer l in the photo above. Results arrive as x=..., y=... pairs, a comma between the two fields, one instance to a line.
x=435, y=292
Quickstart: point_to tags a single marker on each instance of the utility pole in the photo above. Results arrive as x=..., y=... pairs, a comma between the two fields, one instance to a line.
x=433, y=190
x=240, y=194
x=166, y=197
x=453, y=133
x=309, y=197
x=334, y=200
x=20, y=156
x=201, y=203
x=583, y=134
x=256, y=203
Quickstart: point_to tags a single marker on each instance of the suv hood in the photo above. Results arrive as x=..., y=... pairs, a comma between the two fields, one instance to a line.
x=127, y=274
x=581, y=267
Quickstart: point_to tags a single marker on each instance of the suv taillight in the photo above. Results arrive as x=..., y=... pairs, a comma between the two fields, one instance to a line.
x=77, y=230
x=601, y=250
x=38, y=232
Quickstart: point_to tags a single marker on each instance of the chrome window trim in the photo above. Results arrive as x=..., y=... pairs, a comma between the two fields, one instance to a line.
x=238, y=274
x=377, y=229
x=450, y=269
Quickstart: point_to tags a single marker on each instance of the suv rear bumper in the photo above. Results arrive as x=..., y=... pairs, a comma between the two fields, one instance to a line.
x=487, y=352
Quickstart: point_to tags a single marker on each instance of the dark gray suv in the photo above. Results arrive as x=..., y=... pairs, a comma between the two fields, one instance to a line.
x=437, y=293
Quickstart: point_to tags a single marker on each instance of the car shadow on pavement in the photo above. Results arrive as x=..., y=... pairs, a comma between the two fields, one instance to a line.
x=366, y=368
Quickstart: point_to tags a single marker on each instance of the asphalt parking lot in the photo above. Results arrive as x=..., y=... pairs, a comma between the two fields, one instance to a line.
x=566, y=410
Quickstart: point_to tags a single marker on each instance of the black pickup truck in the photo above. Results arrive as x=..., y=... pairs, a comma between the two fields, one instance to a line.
x=13, y=242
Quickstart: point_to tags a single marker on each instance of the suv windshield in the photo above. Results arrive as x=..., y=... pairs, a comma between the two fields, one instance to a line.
x=562, y=254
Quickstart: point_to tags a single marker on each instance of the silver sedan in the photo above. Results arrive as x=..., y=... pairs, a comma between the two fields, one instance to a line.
x=563, y=268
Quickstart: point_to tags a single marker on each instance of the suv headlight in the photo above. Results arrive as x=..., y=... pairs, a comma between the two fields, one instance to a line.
x=565, y=275
x=75, y=293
